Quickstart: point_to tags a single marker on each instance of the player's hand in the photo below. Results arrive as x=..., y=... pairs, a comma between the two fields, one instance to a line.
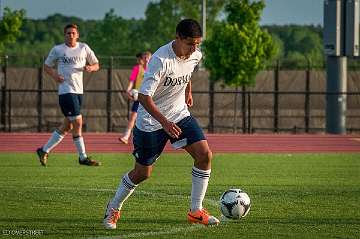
x=129, y=96
x=88, y=68
x=59, y=79
x=189, y=100
x=172, y=129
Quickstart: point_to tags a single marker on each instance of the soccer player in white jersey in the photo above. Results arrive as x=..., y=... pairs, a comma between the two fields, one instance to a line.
x=163, y=115
x=71, y=59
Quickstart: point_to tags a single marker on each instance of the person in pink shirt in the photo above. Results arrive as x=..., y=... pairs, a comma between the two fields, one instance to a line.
x=135, y=81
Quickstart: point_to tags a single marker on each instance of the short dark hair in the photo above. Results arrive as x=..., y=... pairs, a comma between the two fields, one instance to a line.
x=138, y=55
x=188, y=28
x=142, y=54
x=72, y=25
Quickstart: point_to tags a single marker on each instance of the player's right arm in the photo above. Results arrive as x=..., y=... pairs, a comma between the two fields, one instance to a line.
x=153, y=75
x=128, y=90
x=53, y=73
x=49, y=66
x=170, y=127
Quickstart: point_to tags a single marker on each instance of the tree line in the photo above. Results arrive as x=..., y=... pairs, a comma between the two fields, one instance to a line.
x=114, y=35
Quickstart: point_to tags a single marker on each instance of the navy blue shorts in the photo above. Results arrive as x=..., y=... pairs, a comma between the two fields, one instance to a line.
x=70, y=104
x=149, y=145
x=135, y=106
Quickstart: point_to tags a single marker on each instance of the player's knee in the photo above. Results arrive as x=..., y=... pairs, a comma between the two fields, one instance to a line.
x=140, y=175
x=67, y=130
x=143, y=176
x=205, y=156
x=63, y=131
x=208, y=155
x=76, y=126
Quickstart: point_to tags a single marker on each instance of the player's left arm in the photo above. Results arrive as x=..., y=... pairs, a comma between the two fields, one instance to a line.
x=91, y=68
x=92, y=63
x=188, y=95
x=188, y=91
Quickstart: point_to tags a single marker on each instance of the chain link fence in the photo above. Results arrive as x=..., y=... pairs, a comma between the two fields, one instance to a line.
x=283, y=99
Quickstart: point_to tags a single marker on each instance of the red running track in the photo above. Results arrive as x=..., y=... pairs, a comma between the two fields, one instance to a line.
x=219, y=143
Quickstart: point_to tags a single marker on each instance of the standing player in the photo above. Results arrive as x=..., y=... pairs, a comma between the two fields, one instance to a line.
x=163, y=115
x=135, y=81
x=71, y=58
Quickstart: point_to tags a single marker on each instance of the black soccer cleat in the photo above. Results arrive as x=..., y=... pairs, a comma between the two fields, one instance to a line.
x=43, y=156
x=89, y=162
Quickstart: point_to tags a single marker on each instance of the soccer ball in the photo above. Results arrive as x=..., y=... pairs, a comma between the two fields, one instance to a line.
x=134, y=93
x=234, y=203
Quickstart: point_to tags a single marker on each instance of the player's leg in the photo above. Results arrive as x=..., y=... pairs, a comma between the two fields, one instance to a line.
x=196, y=145
x=132, y=118
x=75, y=100
x=200, y=172
x=200, y=178
x=147, y=149
x=57, y=136
x=79, y=143
x=127, y=186
x=125, y=137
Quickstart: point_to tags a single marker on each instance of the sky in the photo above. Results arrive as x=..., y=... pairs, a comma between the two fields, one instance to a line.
x=279, y=12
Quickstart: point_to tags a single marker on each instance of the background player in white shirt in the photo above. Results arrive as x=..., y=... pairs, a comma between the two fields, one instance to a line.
x=71, y=59
x=163, y=115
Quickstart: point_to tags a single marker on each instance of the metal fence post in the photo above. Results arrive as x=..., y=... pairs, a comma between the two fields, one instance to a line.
x=109, y=94
x=249, y=123
x=3, y=94
x=307, y=98
x=9, y=112
x=211, y=106
x=276, y=97
x=3, y=108
x=243, y=109
x=235, y=111
x=39, y=96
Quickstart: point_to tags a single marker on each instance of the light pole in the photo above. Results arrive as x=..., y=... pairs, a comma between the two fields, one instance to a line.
x=0, y=11
x=341, y=40
x=203, y=8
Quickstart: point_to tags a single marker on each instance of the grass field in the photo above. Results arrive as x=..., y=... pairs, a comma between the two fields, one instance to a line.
x=293, y=196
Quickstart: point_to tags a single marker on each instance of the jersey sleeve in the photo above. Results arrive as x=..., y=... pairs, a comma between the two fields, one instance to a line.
x=153, y=74
x=196, y=68
x=90, y=56
x=134, y=73
x=51, y=58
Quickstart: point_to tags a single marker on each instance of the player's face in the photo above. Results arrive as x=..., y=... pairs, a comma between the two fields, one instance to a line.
x=71, y=36
x=147, y=58
x=188, y=46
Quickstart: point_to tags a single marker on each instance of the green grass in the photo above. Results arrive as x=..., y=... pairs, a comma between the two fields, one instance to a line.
x=293, y=196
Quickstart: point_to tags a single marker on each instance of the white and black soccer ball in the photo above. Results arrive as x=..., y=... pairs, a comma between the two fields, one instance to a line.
x=235, y=203
x=134, y=93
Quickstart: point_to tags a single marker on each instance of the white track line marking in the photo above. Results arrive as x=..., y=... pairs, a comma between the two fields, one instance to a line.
x=210, y=201
x=169, y=232
x=172, y=231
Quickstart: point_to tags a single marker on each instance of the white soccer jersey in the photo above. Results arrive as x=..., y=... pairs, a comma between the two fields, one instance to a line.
x=165, y=80
x=70, y=64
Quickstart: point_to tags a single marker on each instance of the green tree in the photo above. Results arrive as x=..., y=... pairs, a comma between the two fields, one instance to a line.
x=238, y=48
x=162, y=17
x=302, y=45
x=10, y=27
x=114, y=35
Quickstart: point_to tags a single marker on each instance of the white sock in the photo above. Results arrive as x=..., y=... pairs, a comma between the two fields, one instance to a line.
x=54, y=140
x=200, y=180
x=80, y=146
x=125, y=189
